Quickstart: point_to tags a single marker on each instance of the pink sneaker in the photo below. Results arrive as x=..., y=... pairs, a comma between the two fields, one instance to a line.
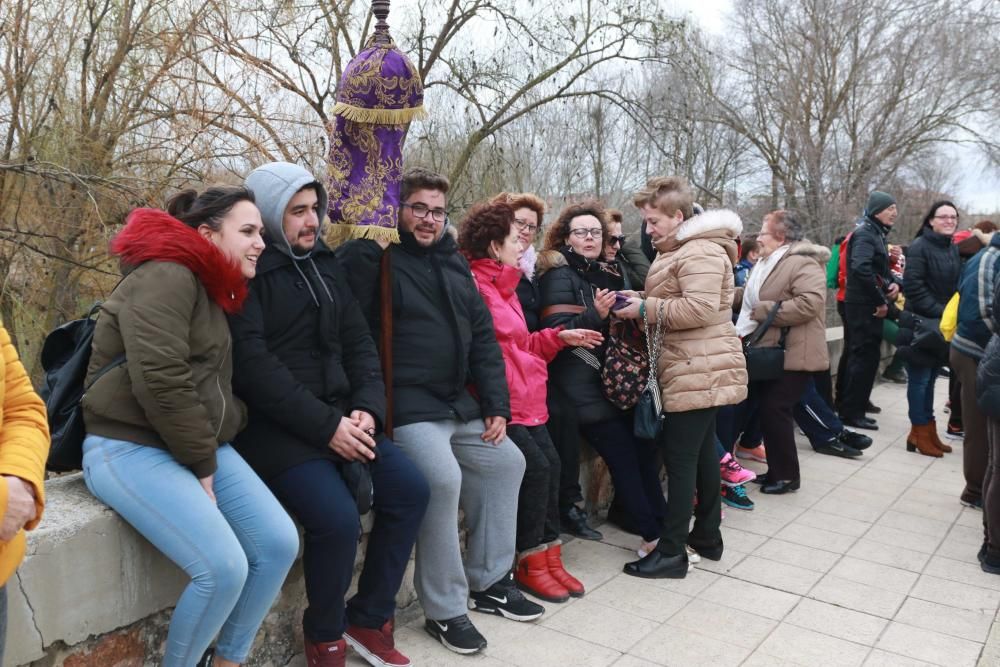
x=753, y=454
x=732, y=473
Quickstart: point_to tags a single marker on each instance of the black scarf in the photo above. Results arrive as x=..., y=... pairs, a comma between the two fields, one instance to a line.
x=600, y=275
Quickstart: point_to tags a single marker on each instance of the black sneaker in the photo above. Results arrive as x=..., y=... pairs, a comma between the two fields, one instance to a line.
x=736, y=496
x=457, y=634
x=834, y=447
x=855, y=440
x=505, y=599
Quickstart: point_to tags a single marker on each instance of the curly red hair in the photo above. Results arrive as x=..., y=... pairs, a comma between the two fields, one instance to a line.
x=483, y=224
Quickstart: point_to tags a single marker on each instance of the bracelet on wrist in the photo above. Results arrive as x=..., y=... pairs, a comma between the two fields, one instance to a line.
x=642, y=310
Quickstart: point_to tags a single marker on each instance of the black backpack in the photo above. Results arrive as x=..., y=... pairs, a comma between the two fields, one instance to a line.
x=65, y=358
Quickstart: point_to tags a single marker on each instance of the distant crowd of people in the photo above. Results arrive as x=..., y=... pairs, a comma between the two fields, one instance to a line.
x=269, y=379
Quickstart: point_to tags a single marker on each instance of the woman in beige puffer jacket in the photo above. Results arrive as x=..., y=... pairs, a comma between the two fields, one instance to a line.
x=701, y=365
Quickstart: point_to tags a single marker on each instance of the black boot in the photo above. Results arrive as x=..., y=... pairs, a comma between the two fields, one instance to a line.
x=855, y=440
x=705, y=550
x=658, y=566
x=990, y=562
x=574, y=522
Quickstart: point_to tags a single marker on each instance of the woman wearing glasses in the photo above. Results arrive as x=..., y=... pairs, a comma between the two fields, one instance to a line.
x=931, y=277
x=577, y=292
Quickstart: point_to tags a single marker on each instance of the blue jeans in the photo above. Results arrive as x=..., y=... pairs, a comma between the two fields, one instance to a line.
x=920, y=393
x=237, y=552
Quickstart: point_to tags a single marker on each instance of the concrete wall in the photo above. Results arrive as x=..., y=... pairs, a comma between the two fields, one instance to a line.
x=92, y=592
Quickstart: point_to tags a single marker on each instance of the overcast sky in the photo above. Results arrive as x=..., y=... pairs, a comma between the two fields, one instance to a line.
x=978, y=185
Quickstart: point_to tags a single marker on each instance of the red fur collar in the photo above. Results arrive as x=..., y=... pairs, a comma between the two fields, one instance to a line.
x=154, y=235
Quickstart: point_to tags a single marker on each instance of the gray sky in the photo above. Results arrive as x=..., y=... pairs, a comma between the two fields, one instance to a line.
x=978, y=185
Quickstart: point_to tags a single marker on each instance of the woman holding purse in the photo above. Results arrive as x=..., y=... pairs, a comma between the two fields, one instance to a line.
x=689, y=295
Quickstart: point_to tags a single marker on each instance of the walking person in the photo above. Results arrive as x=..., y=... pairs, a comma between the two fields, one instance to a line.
x=307, y=367
x=490, y=240
x=700, y=365
x=159, y=425
x=929, y=281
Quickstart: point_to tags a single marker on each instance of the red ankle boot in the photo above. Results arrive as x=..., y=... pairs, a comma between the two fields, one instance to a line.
x=532, y=576
x=326, y=654
x=553, y=556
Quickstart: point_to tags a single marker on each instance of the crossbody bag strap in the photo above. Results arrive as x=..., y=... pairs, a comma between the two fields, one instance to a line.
x=765, y=325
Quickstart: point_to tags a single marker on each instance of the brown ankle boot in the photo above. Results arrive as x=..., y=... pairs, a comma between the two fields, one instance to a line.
x=932, y=430
x=920, y=440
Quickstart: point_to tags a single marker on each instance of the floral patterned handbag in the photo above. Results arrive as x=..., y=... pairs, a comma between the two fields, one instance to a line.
x=625, y=370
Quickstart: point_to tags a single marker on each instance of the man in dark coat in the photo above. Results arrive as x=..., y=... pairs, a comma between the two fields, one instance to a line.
x=307, y=367
x=869, y=298
x=450, y=410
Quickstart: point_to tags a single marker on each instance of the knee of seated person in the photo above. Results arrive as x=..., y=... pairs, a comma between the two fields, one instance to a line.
x=225, y=574
x=280, y=543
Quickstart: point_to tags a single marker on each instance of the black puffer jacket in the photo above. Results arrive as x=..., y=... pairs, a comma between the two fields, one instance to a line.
x=933, y=268
x=868, y=274
x=304, y=358
x=443, y=344
x=528, y=295
x=988, y=372
x=562, y=285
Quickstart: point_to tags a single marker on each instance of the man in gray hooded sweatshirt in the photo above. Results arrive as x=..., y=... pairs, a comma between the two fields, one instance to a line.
x=307, y=368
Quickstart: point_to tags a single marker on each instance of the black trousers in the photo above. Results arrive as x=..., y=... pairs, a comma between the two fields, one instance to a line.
x=688, y=444
x=315, y=494
x=865, y=342
x=538, y=499
x=845, y=354
x=777, y=418
x=564, y=431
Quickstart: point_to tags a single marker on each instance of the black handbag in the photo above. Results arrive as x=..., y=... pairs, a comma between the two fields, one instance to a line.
x=357, y=476
x=65, y=358
x=647, y=422
x=765, y=363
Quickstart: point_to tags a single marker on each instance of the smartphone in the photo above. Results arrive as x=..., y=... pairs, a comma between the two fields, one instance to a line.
x=620, y=301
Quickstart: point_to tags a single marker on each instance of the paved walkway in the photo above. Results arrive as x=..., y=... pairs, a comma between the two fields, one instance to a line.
x=872, y=562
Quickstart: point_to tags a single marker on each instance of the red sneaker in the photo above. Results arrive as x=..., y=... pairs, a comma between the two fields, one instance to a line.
x=326, y=654
x=376, y=645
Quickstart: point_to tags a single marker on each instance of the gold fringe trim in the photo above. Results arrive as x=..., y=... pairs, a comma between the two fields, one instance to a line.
x=342, y=233
x=378, y=116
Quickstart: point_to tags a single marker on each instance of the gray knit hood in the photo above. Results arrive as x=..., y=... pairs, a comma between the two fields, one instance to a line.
x=273, y=186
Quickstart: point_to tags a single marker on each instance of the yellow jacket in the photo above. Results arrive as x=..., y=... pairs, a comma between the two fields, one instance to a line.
x=24, y=446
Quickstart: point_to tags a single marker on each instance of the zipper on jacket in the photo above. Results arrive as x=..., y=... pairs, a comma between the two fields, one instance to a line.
x=218, y=383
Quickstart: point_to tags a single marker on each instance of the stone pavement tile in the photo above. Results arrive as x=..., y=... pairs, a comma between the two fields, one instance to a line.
x=632, y=661
x=879, y=658
x=928, y=645
x=777, y=575
x=834, y=523
x=816, y=538
x=904, y=475
x=741, y=540
x=971, y=625
x=888, y=554
x=797, y=554
x=841, y=504
x=730, y=559
x=837, y=622
x=692, y=585
x=962, y=571
x=942, y=510
x=593, y=563
x=903, y=538
x=749, y=597
x=970, y=517
x=753, y=522
x=735, y=626
x=673, y=646
x=973, y=536
x=862, y=497
x=773, y=507
x=955, y=594
x=793, y=643
x=599, y=624
x=421, y=649
x=953, y=486
x=543, y=646
x=875, y=574
x=914, y=523
x=959, y=551
x=760, y=659
x=615, y=536
x=637, y=597
x=857, y=596
x=886, y=487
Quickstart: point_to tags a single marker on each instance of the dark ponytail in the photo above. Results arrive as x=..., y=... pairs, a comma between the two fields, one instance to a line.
x=208, y=207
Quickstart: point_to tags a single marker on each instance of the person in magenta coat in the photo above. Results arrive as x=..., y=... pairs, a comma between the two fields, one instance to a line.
x=489, y=240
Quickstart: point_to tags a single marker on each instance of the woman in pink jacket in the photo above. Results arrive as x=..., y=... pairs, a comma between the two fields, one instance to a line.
x=489, y=240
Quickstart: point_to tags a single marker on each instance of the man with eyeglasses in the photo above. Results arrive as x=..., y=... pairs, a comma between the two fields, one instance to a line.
x=868, y=299
x=450, y=408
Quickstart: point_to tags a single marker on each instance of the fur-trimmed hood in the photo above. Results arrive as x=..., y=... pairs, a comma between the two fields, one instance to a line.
x=548, y=260
x=721, y=226
x=152, y=235
x=807, y=248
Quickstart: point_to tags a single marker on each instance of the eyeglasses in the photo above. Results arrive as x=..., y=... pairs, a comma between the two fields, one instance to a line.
x=618, y=240
x=595, y=232
x=421, y=211
x=946, y=217
x=525, y=225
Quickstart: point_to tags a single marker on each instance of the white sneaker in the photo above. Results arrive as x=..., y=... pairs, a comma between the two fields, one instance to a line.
x=693, y=556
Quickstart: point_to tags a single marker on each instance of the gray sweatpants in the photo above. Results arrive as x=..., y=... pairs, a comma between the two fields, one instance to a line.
x=483, y=478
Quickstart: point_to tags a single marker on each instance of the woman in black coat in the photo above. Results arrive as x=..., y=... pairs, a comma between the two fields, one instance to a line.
x=929, y=281
x=988, y=398
x=577, y=292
